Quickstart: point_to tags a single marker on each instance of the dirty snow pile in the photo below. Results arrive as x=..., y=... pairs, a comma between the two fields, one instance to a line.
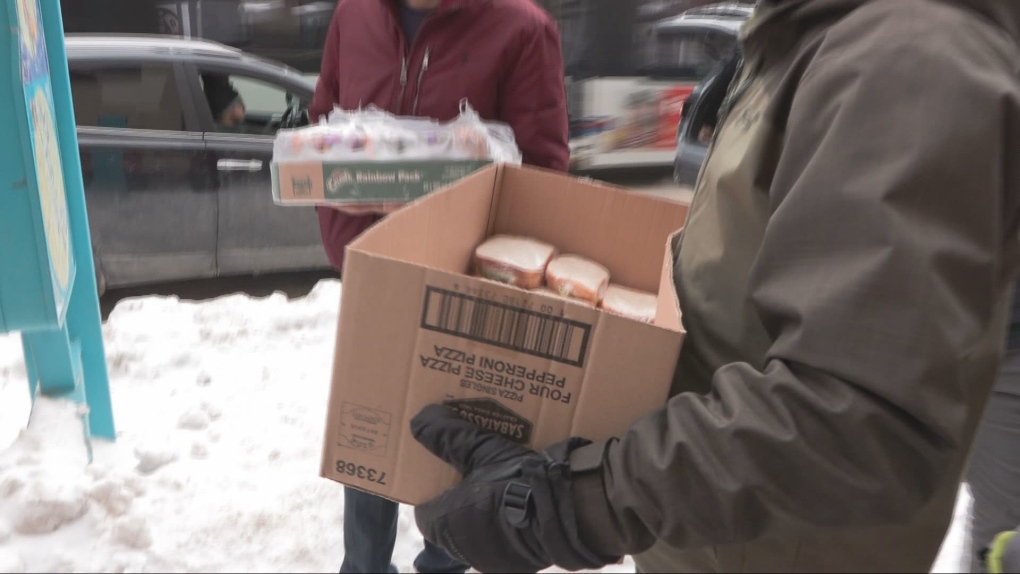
x=220, y=407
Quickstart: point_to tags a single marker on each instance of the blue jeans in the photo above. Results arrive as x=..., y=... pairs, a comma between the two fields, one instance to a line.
x=370, y=532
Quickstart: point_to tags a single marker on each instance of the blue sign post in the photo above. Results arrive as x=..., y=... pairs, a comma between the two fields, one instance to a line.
x=47, y=277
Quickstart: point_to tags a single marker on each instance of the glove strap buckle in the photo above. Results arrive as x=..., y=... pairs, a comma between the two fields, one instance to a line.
x=517, y=504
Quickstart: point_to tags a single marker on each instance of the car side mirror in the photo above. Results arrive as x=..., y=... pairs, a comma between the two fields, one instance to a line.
x=301, y=116
x=297, y=113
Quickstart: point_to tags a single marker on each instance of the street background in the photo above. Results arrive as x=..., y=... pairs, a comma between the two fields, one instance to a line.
x=654, y=181
x=220, y=407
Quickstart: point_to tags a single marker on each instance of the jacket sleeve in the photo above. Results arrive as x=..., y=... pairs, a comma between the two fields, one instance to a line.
x=725, y=72
x=533, y=100
x=336, y=227
x=1013, y=333
x=327, y=90
x=882, y=283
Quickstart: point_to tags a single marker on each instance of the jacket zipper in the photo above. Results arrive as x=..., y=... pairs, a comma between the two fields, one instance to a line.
x=408, y=52
x=736, y=92
x=733, y=96
x=421, y=74
x=403, y=83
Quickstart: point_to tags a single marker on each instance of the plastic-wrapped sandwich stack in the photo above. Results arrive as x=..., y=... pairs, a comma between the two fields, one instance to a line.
x=368, y=157
x=630, y=303
x=371, y=134
x=517, y=261
x=576, y=277
x=536, y=266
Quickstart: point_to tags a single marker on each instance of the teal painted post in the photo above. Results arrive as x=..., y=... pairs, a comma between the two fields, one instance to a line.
x=83, y=322
x=47, y=276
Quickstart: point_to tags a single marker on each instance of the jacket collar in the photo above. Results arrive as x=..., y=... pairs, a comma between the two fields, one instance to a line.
x=1004, y=13
x=444, y=5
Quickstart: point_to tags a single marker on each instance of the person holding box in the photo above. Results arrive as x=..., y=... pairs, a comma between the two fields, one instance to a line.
x=844, y=279
x=422, y=58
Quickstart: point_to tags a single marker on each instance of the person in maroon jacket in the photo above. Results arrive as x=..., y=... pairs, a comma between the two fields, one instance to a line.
x=421, y=58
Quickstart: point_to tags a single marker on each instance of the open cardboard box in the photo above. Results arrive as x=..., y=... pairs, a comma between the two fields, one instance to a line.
x=416, y=329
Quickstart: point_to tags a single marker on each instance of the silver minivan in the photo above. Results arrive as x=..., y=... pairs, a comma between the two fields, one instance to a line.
x=172, y=194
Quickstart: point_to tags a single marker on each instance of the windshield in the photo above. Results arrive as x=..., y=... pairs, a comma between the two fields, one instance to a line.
x=687, y=53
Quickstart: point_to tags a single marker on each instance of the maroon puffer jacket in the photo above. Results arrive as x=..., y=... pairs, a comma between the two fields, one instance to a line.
x=502, y=55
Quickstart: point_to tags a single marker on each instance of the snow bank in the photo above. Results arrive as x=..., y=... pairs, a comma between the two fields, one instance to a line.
x=220, y=407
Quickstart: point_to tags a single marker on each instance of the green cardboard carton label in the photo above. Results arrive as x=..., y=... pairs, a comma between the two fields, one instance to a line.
x=368, y=182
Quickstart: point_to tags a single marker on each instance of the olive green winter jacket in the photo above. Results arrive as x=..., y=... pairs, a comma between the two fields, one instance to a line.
x=843, y=276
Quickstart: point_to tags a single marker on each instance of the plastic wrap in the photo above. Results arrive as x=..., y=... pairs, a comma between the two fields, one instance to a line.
x=578, y=278
x=630, y=303
x=371, y=134
x=550, y=293
x=517, y=261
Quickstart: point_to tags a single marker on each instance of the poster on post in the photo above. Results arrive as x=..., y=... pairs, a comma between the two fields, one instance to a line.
x=35, y=79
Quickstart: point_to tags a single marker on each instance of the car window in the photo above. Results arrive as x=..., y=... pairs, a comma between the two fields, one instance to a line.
x=241, y=104
x=134, y=97
x=704, y=113
x=690, y=54
x=294, y=25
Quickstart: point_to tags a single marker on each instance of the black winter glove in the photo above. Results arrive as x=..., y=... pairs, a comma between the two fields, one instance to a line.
x=513, y=512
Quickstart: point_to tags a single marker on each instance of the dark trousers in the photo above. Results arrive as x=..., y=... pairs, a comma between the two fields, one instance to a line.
x=370, y=532
x=993, y=473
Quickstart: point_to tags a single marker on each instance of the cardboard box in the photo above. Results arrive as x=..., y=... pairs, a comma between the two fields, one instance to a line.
x=414, y=329
x=316, y=182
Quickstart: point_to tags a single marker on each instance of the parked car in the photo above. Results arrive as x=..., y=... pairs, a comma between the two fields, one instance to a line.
x=702, y=106
x=738, y=10
x=288, y=31
x=172, y=194
x=699, y=111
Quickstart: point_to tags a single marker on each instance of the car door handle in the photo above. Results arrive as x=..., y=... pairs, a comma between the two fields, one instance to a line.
x=239, y=165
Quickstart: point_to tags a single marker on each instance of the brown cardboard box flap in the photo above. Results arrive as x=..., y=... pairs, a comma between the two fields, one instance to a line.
x=668, y=311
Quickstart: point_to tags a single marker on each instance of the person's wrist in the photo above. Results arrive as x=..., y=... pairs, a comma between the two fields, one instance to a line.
x=596, y=526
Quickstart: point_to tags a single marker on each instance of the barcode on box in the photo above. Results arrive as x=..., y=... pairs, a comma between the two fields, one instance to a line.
x=538, y=334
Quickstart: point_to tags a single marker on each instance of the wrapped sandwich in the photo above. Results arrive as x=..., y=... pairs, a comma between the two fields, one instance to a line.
x=517, y=261
x=578, y=278
x=630, y=303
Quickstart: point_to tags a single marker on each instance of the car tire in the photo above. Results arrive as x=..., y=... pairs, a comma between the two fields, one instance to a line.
x=100, y=283
x=100, y=277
